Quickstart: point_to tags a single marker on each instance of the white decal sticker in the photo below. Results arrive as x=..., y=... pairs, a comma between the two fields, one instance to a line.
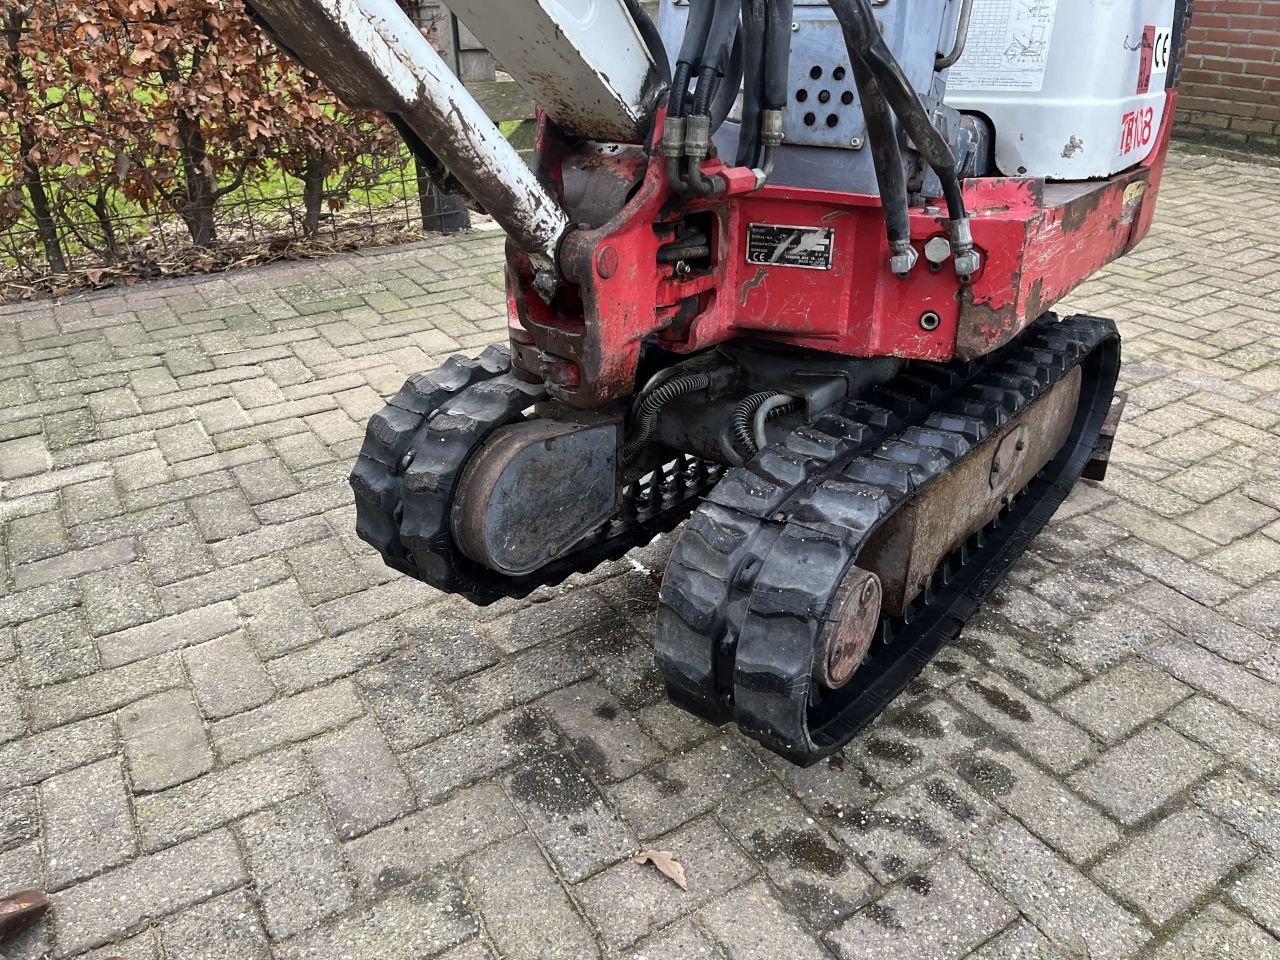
x=1008, y=46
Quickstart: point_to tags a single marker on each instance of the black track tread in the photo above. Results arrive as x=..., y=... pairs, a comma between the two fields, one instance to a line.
x=748, y=653
x=416, y=448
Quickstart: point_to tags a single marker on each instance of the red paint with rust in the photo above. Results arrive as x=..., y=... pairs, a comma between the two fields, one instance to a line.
x=1038, y=242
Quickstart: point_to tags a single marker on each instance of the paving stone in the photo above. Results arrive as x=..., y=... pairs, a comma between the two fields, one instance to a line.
x=750, y=924
x=674, y=792
x=56, y=648
x=19, y=818
x=1171, y=570
x=1044, y=735
x=1173, y=864
x=1196, y=622
x=399, y=853
x=1067, y=908
x=525, y=911
x=332, y=657
x=224, y=584
x=1140, y=775
x=451, y=645
x=1021, y=941
x=362, y=783
x=1219, y=934
x=227, y=677
x=43, y=755
x=479, y=751
x=23, y=457
x=815, y=876
x=88, y=827
x=1245, y=804
x=518, y=679
x=410, y=705
x=605, y=737
x=944, y=912
x=1258, y=893
x=1248, y=693
x=73, y=564
x=1230, y=735
x=36, y=537
x=285, y=721
x=92, y=913
x=278, y=619
x=296, y=866
x=164, y=741
x=419, y=920
x=630, y=901
x=13, y=721
x=1258, y=609
x=223, y=514
x=118, y=598
x=325, y=571
x=678, y=940
x=175, y=553
x=104, y=691
x=1114, y=704
x=90, y=501
x=265, y=480
x=1229, y=518
x=570, y=818
x=219, y=798
x=1047, y=808
x=907, y=830
x=217, y=930
x=168, y=633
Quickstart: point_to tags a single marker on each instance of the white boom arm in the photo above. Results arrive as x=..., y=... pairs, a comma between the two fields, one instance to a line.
x=371, y=55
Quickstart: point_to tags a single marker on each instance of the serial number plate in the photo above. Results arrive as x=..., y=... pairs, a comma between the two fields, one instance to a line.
x=809, y=248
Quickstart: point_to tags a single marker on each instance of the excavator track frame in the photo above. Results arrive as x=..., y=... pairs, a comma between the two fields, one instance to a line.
x=756, y=572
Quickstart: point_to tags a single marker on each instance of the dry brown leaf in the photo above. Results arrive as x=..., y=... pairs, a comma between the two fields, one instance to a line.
x=667, y=865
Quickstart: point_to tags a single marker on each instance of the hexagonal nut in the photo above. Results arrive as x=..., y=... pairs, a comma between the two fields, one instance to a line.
x=967, y=264
x=903, y=263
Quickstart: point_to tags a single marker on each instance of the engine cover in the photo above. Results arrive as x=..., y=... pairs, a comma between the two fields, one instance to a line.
x=534, y=490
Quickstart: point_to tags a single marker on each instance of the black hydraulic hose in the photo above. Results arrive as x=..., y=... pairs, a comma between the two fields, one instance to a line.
x=777, y=53
x=651, y=406
x=863, y=38
x=886, y=154
x=730, y=85
x=753, y=33
x=724, y=26
x=695, y=41
x=652, y=38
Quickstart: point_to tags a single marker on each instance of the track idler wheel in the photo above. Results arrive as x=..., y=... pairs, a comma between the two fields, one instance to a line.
x=846, y=639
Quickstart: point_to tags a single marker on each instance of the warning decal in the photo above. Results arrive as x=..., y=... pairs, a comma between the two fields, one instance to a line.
x=1008, y=46
x=1157, y=51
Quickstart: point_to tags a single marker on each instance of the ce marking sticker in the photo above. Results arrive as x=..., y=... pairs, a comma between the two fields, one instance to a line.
x=807, y=248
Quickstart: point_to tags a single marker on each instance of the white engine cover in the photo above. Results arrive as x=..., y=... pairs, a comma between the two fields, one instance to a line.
x=1074, y=88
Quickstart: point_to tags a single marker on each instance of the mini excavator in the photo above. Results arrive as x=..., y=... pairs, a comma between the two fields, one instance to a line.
x=779, y=277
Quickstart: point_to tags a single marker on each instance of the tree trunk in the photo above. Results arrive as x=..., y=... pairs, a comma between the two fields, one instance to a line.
x=46, y=225
x=103, y=214
x=313, y=175
x=201, y=192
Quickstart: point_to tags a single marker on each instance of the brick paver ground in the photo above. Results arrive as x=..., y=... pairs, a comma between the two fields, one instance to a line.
x=227, y=731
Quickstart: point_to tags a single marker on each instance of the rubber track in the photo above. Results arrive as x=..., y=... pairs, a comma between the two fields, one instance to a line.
x=416, y=447
x=750, y=581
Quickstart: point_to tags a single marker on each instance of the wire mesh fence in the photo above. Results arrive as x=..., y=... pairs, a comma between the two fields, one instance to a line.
x=106, y=168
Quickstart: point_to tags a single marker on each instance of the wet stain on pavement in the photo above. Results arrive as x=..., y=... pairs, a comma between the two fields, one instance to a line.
x=1002, y=702
x=950, y=801
x=988, y=776
x=919, y=884
x=555, y=786
x=805, y=850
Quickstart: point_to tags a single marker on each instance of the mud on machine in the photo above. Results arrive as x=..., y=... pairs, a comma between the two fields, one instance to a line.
x=782, y=268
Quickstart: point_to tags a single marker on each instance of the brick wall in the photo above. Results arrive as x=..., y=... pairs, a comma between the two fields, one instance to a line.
x=1231, y=80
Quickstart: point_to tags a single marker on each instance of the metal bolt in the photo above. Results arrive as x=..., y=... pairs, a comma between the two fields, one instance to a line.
x=795, y=27
x=1020, y=445
x=930, y=321
x=856, y=143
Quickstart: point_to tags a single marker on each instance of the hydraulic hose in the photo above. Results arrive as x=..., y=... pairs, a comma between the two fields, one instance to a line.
x=886, y=154
x=777, y=53
x=691, y=48
x=724, y=27
x=651, y=406
x=771, y=409
x=730, y=85
x=863, y=38
x=753, y=33
x=652, y=38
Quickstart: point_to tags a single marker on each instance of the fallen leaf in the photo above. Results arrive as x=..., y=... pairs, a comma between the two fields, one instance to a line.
x=667, y=865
